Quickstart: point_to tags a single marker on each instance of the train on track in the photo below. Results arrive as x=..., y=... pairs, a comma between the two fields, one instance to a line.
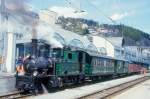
x=41, y=64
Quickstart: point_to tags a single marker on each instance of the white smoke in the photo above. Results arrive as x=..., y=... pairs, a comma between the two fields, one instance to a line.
x=45, y=32
x=22, y=19
x=17, y=14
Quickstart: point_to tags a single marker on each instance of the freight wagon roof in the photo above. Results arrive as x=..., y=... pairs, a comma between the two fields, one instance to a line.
x=116, y=41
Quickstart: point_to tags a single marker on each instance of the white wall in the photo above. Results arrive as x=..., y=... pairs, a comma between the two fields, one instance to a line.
x=10, y=53
x=102, y=42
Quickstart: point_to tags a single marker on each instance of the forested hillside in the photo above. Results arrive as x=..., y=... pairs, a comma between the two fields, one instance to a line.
x=132, y=36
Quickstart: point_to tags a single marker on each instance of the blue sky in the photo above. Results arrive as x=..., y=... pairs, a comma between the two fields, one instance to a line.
x=135, y=13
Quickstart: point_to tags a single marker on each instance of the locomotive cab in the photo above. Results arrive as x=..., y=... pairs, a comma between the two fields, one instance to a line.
x=33, y=60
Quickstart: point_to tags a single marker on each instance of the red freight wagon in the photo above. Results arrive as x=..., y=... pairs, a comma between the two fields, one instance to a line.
x=134, y=68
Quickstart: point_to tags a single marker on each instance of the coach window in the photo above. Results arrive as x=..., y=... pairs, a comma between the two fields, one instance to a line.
x=96, y=62
x=93, y=62
x=100, y=63
x=57, y=53
x=105, y=63
x=109, y=63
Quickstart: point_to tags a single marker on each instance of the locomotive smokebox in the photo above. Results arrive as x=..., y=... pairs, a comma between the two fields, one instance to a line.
x=34, y=47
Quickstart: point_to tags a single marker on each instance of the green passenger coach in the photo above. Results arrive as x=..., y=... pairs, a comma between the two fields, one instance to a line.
x=67, y=63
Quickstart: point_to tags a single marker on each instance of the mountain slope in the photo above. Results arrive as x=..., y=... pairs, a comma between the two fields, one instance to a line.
x=132, y=36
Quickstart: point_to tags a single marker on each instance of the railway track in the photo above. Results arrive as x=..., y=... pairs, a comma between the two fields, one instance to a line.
x=107, y=93
x=15, y=95
x=103, y=94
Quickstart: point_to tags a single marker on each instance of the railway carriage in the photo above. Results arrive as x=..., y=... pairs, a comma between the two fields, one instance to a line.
x=72, y=65
x=137, y=67
x=102, y=66
x=121, y=67
x=67, y=63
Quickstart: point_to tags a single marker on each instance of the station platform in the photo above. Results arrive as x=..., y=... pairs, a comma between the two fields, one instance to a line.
x=140, y=91
x=3, y=75
x=7, y=83
x=78, y=92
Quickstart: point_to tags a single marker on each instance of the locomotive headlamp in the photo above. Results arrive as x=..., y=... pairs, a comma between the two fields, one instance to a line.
x=35, y=73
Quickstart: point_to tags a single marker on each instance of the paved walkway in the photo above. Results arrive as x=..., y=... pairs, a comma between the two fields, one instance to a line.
x=141, y=91
x=75, y=93
x=7, y=83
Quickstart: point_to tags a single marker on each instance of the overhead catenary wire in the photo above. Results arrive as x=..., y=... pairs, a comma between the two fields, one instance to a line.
x=77, y=7
x=119, y=7
x=102, y=13
x=109, y=18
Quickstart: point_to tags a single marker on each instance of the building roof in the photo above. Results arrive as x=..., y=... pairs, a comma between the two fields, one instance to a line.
x=116, y=41
x=72, y=38
x=59, y=37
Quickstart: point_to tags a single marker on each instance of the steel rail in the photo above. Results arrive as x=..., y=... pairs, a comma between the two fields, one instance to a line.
x=106, y=93
x=14, y=95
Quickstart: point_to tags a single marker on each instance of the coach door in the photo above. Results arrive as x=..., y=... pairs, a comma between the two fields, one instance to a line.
x=115, y=66
x=80, y=60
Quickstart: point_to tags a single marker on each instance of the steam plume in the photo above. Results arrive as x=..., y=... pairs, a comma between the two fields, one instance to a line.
x=19, y=10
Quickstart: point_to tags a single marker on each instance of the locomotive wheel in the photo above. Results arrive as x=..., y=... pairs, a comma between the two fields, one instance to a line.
x=34, y=92
x=60, y=82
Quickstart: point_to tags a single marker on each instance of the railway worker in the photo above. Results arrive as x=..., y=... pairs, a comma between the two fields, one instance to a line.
x=145, y=70
x=19, y=66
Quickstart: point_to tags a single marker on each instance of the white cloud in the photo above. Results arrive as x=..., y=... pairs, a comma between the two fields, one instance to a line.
x=67, y=12
x=119, y=16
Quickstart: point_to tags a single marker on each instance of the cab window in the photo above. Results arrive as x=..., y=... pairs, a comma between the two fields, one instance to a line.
x=56, y=53
x=69, y=55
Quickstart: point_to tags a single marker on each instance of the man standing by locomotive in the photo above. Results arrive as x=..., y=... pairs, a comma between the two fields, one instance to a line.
x=19, y=66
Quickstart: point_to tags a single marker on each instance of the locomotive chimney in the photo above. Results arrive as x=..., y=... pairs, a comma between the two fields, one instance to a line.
x=34, y=40
x=34, y=47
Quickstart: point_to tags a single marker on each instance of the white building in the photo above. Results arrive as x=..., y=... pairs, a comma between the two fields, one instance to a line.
x=137, y=54
x=112, y=48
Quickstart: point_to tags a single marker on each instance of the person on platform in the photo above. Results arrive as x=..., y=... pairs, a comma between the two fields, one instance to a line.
x=19, y=66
